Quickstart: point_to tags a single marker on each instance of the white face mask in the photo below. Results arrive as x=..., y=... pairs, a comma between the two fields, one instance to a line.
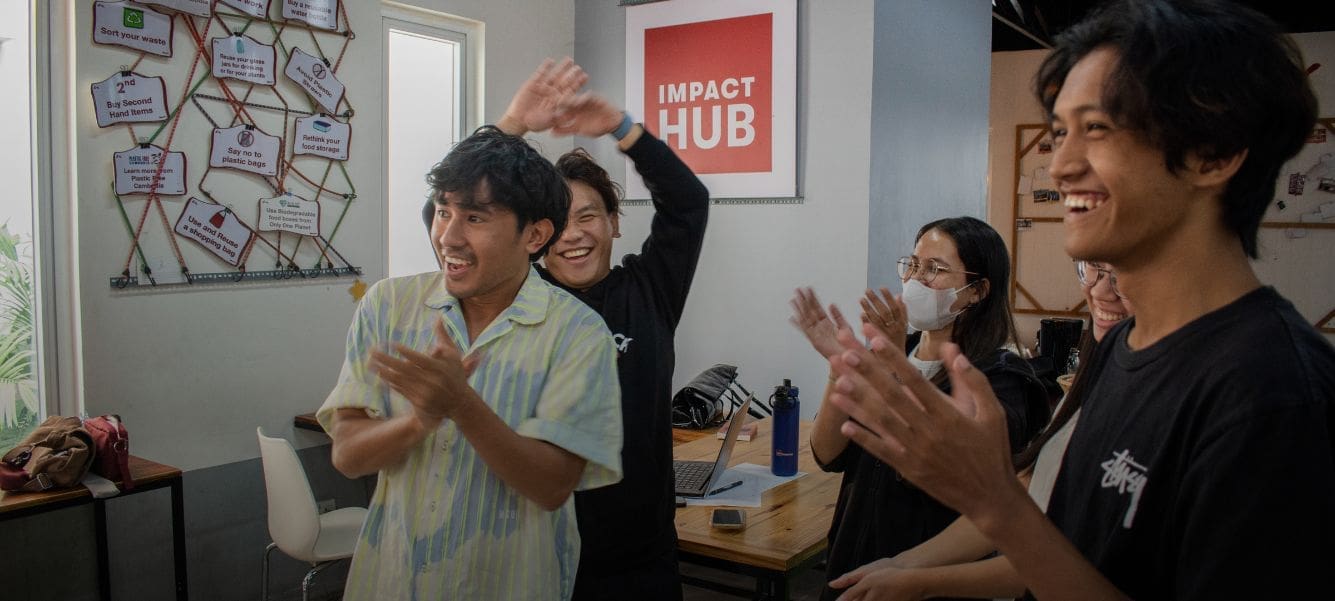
x=929, y=308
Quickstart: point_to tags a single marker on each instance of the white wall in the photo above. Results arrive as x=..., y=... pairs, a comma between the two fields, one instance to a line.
x=1300, y=270
x=754, y=256
x=193, y=372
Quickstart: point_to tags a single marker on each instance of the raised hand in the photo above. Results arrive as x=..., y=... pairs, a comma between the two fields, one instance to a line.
x=435, y=382
x=887, y=315
x=818, y=326
x=534, y=107
x=955, y=448
x=586, y=114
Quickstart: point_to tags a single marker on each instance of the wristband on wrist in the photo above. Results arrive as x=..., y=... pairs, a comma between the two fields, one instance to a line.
x=622, y=130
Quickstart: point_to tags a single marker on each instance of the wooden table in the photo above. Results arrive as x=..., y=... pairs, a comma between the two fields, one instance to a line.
x=307, y=421
x=147, y=476
x=785, y=534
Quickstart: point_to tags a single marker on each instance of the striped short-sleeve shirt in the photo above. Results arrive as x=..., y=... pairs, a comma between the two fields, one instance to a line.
x=442, y=525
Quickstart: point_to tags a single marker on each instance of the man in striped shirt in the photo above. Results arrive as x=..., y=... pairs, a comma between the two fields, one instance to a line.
x=481, y=395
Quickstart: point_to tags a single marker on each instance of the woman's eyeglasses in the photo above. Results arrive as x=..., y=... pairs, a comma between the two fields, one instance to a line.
x=911, y=268
x=1090, y=272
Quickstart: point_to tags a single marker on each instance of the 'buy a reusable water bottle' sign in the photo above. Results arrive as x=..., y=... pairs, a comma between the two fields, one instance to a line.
x=132, y=26
x=216, y=228
x=129, y=98
x=241, y=57
x=254, y=8
x=318, y=13
x=316, y=78
x=290, y=213
x=246, y=148
x=321, y=135
x=136, y=168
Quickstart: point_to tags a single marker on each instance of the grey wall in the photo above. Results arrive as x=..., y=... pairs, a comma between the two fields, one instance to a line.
x=929, y=124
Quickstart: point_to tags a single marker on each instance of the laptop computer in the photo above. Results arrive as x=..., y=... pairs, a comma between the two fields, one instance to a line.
x=695, y=478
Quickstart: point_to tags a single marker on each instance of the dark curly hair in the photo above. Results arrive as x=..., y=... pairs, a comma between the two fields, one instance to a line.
x=518, y=178
x=578, y=166
x=1204, y=77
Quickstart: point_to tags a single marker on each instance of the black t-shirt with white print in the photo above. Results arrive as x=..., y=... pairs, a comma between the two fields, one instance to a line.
x=1203, y=465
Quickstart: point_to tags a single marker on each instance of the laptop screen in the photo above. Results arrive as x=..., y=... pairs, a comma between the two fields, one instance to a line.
x=734, y=430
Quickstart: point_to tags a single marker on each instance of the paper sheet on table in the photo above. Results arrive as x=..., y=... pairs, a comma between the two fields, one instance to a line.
x=756, y=479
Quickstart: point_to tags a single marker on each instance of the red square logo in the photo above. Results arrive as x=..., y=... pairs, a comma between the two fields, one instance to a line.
x=708, y=91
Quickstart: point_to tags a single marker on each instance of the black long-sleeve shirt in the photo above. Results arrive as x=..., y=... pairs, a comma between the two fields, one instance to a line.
x=630, y=523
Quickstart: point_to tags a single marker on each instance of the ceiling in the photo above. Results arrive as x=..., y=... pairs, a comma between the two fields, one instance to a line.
x=1044, y=19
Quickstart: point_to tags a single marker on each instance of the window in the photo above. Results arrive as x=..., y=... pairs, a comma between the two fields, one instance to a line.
x=21, y=408
x=431, y=69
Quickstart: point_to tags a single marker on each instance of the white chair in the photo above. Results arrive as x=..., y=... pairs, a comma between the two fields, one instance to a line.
x=295, y=523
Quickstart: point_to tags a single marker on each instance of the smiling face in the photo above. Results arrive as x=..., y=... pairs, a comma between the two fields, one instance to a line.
x=1105, y=306
x=582, y=255
x=483, y=251
x=1122, y=203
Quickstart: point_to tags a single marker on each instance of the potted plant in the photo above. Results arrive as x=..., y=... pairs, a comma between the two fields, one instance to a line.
x=18, y=383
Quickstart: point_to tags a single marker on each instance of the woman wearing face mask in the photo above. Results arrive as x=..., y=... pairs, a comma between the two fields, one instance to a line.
x=945, y=564
x=955, y=285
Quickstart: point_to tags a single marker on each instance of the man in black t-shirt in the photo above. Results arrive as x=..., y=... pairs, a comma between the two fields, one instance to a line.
x=1203, y=465
x=628, y=537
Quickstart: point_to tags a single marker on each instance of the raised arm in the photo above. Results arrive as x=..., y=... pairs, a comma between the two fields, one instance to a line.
x=955, y=448
x=681, y=202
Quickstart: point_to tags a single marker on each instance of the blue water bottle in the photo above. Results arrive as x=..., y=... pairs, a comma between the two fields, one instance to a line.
x=784, y=459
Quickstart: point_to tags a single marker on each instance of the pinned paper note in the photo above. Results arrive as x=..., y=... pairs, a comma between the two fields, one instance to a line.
x=136, y=167
x=316, y=13
x=254, y=8
x=314, y=76
x=290, y=213
x=216, y=228
x=241, y=57
x=194, y=7
x=129, y=98
x=132, y=26
x=322, y=135
x=246, y=148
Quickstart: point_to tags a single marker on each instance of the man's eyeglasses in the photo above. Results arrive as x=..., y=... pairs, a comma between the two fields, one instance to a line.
x=911, y=268
x=1090, y=272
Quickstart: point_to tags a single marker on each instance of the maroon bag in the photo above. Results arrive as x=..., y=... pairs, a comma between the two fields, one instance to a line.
x=54, y=455
x=112, y=442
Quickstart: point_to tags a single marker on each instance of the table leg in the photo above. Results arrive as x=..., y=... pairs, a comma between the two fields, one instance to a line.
x=178, y=540
x=103, y=567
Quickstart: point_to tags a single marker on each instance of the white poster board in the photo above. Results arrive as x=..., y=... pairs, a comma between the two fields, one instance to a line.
x=322, y=135
x=129, y=98
x=216, y=228
x=245, y=59
x=246, y=148
x=133, y=26
x=290, y=213
x=136, y=168
x=717, y=81
x=316, y=13
x=316, y=78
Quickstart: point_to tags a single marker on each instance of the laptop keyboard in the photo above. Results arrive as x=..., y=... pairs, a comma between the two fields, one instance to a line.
x=692, y=475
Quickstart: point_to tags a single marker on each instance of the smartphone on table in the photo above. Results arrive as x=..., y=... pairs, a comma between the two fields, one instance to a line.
x=725, y=518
